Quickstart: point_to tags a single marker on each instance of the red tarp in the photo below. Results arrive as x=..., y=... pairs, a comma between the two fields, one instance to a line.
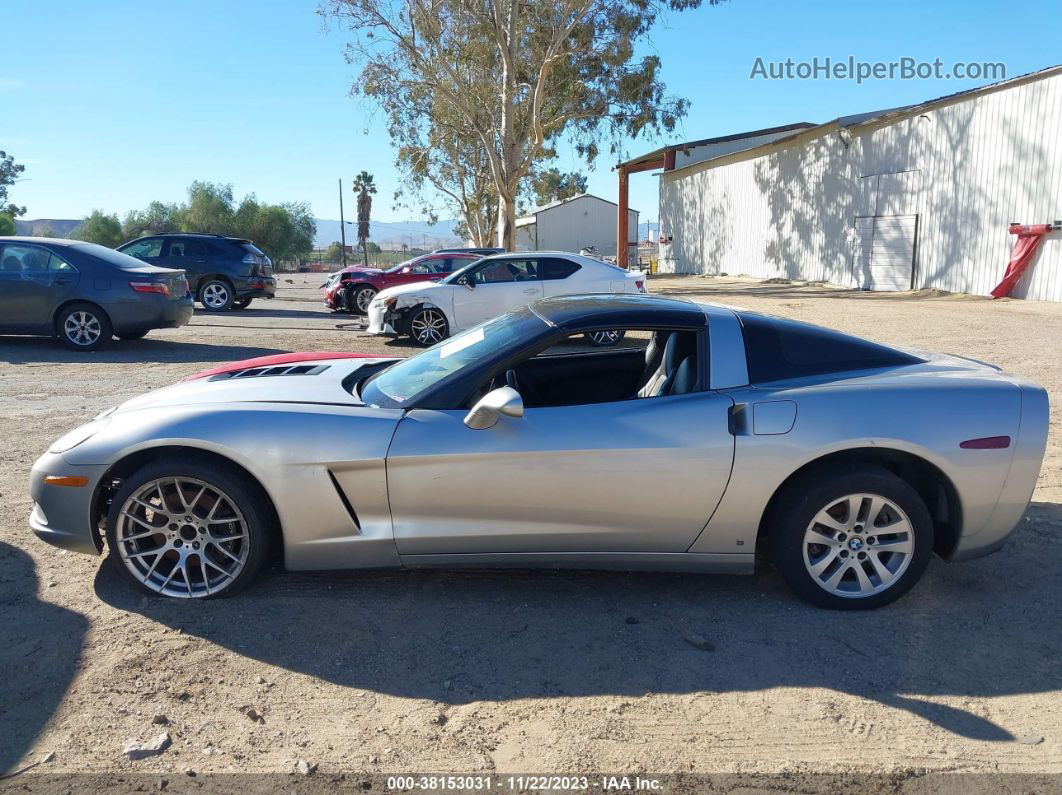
x=1029, y=237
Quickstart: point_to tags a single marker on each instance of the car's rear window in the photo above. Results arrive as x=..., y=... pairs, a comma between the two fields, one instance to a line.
x=111, y=257
x=251, y=248
x=778, y=349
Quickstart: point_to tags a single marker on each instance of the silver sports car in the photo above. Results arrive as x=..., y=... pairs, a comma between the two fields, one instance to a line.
x=514, y=443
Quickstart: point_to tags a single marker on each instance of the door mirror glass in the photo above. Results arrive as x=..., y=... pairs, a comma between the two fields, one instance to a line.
x=471, y=285
x=502, y=402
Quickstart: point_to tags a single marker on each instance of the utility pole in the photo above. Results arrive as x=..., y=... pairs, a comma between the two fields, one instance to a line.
x=342, y=225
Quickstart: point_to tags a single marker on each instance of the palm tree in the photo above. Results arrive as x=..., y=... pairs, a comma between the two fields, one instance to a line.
x=364, y=186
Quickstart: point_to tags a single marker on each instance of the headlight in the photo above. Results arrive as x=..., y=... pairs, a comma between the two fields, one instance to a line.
x=78, y=435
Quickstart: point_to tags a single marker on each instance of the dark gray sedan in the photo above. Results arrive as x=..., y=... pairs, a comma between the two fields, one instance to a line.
x=84, y=294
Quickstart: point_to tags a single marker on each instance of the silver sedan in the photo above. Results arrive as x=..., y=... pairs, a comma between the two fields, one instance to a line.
x=515, y=443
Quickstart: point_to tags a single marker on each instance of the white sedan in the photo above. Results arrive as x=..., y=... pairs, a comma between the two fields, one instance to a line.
x=429, y=312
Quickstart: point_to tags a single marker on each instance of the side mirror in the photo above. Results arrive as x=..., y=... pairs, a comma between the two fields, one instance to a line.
x=502, y=402
x=406, y=269
x=471, y=285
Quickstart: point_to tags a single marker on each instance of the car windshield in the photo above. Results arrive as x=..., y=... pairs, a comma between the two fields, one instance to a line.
x=396, y=386
x=401, y=265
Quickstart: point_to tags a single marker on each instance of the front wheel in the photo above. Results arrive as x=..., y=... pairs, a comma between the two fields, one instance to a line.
x=188, y=530
x=361, y=298
x=428, y=326
x=851, y=540
x=83, y=327
x=216, y=295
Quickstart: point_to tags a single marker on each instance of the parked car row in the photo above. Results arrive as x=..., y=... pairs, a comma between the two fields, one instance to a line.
x=83, y=294
x=431, y=297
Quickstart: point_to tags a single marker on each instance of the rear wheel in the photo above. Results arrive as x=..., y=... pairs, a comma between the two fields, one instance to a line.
x=851, y=540
x=216, y=295
x=188, y=530
x=242, y=303
x=428, y=326
x=360, y=299
x=83, y=327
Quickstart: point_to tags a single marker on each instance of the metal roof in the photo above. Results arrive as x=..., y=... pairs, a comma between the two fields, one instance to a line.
x=722, y=139
x=524, y=220
x=853, y=120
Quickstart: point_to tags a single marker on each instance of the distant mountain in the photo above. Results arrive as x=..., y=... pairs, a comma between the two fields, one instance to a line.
x=386, y=234
x=392, y=234
x=54, y=227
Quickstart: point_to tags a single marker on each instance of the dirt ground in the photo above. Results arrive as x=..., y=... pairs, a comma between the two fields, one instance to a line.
x=524, y=672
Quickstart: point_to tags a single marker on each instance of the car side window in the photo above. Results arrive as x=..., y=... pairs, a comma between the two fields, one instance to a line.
x=152, y=247
x=23, y=259
x=557, y=269
x=436, y=265
x=196, y=248
x=506, y=270
x=58, y=265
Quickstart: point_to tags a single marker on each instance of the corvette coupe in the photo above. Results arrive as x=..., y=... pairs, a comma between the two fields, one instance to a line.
x=709, y=431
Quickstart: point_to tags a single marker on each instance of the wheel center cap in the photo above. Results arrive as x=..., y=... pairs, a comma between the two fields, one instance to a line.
x=188, y=533
x=855, y=544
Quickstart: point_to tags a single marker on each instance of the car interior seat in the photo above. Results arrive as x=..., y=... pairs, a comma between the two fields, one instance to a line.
x=12, y=264
x=677, y=372
x=654, y=356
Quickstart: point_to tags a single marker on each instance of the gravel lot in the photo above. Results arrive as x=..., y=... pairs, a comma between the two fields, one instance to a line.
x=525, y=672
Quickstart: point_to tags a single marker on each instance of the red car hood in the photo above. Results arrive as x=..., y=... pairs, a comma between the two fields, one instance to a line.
x=277, y=359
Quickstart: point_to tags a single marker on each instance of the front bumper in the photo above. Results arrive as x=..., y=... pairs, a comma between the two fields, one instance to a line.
x=64, y=516
x=383, y=323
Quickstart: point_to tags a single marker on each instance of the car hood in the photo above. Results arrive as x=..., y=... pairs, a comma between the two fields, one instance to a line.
x=302, y=381
x=423, y=288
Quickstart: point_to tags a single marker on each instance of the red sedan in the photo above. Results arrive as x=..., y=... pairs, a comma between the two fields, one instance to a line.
x=352, y=289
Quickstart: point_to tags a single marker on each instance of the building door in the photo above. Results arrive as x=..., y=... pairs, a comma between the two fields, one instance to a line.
x=885, y=250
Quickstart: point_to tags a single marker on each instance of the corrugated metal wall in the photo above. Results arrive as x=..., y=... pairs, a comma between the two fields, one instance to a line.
x=586, y=221
x=966, y=169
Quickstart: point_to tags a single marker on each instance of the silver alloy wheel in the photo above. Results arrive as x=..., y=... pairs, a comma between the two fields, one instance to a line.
x=182, y=537
x=858, y=545
x=428, y=326
x=82, y=328
x=215, y=295
x=363, y=297
x=605, y=337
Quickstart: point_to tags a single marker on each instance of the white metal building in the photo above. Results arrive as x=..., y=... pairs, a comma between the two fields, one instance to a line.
x=572, y=224
x=913, y=197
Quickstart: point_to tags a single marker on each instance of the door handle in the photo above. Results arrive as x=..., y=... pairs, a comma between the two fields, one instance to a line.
x=63, y=280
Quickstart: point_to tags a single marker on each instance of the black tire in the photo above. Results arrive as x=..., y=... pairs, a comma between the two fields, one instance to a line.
x=83, y=327
x=605, y=339
x=795, y=555
x=360, y=298
x=424, y=318
x=244, y=494
x=133, y=335
x=241, y=303
x=216, y=295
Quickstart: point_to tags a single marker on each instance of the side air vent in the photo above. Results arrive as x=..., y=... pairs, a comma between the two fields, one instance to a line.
x=282, y=369
x=346, y=503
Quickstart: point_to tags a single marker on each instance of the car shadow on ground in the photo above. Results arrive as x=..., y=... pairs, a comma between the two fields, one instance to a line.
x=41, y=654
x=979, y=629
x=37, y=350
x=255, y=313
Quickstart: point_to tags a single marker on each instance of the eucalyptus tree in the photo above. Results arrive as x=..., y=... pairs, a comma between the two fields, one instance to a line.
x=511, y=77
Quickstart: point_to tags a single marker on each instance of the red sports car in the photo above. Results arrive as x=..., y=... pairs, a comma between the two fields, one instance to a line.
x=352, y=289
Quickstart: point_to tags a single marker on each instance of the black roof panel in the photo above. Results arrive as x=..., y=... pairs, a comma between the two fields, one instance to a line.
x=625, y=310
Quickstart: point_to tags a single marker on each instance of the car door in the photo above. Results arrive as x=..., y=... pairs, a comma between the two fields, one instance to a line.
x=639, y=475
x=190, y=255
x=33, y=281
x=497, y=287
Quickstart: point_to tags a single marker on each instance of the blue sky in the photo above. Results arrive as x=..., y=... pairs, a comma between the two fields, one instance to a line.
x=113, y=104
